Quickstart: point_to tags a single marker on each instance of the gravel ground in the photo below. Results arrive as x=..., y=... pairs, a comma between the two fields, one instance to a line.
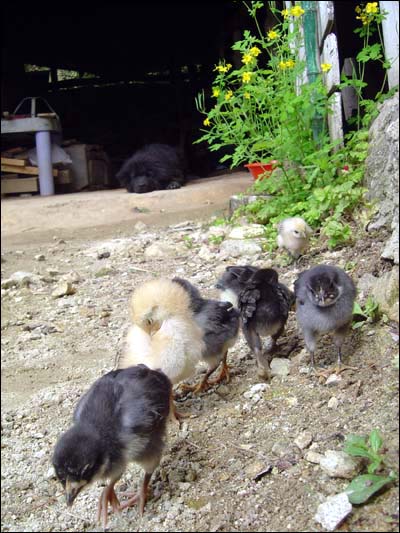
x=234, y=464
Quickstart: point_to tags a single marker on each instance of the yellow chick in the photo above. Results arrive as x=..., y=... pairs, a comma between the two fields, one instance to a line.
x=164, y=334
x=293, y=235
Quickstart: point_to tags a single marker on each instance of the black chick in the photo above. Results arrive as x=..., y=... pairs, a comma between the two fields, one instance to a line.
x=264, y=306
x=324, y=303
x=122, y=418
x=219, y=322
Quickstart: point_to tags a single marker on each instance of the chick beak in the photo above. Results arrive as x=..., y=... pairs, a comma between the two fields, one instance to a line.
x=303, y=234
x=72, y=489
x=218, y=286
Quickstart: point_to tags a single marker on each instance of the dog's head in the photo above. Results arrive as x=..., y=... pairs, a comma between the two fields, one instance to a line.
x=138, y=180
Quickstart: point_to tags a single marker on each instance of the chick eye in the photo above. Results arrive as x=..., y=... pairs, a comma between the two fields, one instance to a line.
x=295, y=231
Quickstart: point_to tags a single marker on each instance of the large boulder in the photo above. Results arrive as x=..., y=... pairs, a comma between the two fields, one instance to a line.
x=382, y=173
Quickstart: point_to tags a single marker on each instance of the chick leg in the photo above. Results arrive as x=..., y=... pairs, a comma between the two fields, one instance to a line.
x=224, y=373
x=203, y=385
x=174, y=414
x=140, y=497
x=338, y=339
x=254, y=341
x=108, y=496
x=311, y=343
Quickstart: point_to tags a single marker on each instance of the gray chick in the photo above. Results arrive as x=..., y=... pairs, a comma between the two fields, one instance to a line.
x=120, y=419
x=324, y=303
x=293, y=235
x=219, y=322
x=264, y=306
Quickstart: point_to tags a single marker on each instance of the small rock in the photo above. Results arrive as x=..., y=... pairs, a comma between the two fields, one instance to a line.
x=19, y=279
x=247, y=232
x=280, y=448
x=280, y=367
x=72, y=277
x=255, y=389
x=103, y=272
x=40, y=257
x=159, y=250
x=333, y=511
x=140, y=226
x=313, y=457
x=333, y=380
x=340, y=464
x=236, y=248
x=63, y=289
x=103, y=254
x=205, y=254
x=303, y=440
x=333, y=403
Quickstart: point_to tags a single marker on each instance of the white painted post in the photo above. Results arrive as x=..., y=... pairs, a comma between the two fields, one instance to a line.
x=390, y=29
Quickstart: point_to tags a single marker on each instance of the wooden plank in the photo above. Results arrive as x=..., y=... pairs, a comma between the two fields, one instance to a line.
x=16, y=150
x=24, y=170
x=19, y=185
x=325, y=19
x=335, y=121
x=330, y=55
x=390, y=30
x=12, y=161
x=349, y=95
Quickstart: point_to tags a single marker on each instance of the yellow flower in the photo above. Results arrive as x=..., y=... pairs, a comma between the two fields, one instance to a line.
x=206, y=122
x=255, y=51
x=246, y=77
x=272, y=34
x=326, y=67
x=247, y=58
x=286, y=64
x=216, y=92
x=228, y=95
x=372, y=7
x=296, y=11
x=247, y=95
x=223, y=68
x=285, y=13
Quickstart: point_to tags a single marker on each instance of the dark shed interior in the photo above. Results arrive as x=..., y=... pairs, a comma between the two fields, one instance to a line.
x=149, y=61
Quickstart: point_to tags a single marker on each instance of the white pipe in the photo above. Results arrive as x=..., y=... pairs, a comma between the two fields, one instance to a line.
x=43, y=150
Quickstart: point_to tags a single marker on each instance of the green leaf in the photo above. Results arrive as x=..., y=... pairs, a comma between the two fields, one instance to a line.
x=375, y=440
x=363, y=487
x=356, y=445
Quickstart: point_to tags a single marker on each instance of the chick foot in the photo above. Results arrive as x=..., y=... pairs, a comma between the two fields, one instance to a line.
x=329, y=371
x=224, y=374
x=139, y=498
x=108, y=496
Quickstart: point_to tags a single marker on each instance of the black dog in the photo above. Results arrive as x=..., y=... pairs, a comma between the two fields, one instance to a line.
x=153, y=167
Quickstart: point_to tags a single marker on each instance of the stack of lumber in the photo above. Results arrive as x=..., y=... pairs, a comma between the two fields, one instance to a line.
x=17, y=176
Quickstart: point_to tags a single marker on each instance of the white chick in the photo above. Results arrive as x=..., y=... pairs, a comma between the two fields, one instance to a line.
x=294, y=234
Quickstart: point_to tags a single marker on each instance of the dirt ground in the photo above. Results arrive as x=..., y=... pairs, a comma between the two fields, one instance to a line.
x=233, y=465
x=108, y=213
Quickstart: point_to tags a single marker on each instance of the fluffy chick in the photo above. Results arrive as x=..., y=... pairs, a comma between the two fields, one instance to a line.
x=264, y=306
x=293, y=235
x=324, y=303
x=219, y=322
x=164, y=334
x=120, y=419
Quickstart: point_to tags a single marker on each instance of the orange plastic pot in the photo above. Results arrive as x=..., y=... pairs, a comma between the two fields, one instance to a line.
x=261, y=170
